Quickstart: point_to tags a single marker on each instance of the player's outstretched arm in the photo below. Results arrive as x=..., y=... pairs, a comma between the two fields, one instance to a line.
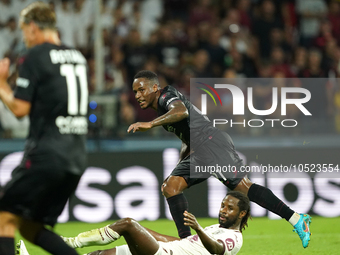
x=177, y=112
x=211, y=244
x=139, y=126
x=18, y=107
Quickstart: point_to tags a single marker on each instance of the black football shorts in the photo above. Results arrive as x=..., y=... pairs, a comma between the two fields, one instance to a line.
x=38, y=195
x=216, y=157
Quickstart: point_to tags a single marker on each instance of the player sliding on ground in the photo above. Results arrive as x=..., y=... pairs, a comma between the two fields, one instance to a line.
x=202, y=144
x=223, y=238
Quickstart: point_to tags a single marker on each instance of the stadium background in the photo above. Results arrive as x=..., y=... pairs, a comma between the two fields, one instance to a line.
x=180, y=40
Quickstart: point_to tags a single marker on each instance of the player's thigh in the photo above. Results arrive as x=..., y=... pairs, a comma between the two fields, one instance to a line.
x=21, y=192
x=139, y=240
x=180, y=178
x=56, y=197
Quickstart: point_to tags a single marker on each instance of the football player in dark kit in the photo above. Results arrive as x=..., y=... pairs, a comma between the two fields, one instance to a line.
x=201, y=144
x=52, y=89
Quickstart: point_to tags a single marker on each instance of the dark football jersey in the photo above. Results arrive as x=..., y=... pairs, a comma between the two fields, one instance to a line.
x=54, y=79
x=193, y=130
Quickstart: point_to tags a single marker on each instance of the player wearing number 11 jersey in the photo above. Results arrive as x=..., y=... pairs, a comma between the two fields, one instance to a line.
x=52, y=88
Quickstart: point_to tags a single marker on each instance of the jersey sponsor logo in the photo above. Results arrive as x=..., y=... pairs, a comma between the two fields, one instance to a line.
x=170, y=100
x=230, y=243
x=211, y=88
x=193, y=238
x=22, y=82
x=76, y=125
x=66, y=56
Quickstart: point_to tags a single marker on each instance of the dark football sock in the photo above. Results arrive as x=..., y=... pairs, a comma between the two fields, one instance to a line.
x=7, y=246
x=265, y=198
x=53, y=243
x=178, y=204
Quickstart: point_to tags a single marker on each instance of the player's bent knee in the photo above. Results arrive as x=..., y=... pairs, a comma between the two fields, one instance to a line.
x=169, y=191
x=128, y=224
x=171, y=188
x=162, y=188
x=243, y=185
x=174, y=185
x=128, y=221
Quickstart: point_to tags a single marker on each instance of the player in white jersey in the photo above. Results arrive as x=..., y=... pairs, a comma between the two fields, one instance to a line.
x=223, y=238
x=230, y=238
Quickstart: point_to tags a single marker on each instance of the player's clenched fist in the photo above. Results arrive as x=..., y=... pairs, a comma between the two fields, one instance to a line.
x=190, y=220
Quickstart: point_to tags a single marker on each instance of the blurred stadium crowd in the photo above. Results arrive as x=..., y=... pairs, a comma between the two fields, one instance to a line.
x=183, y=39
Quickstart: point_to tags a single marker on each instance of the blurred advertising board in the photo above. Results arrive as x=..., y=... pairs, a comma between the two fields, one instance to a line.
x=127, y=184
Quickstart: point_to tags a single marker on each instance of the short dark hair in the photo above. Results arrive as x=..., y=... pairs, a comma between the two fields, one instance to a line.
x=151, y=76
x=41, y=14
x=146, y=74
x=244, y=205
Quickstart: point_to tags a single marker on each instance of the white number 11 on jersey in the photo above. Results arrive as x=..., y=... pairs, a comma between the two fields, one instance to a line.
x=71, y=72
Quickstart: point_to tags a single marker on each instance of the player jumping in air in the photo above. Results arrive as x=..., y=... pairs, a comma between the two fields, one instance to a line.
x=224, y=238
x=52, y=89
x=202, y=144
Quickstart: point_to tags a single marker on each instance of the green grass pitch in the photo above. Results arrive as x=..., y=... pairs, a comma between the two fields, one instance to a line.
x=263, y=237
